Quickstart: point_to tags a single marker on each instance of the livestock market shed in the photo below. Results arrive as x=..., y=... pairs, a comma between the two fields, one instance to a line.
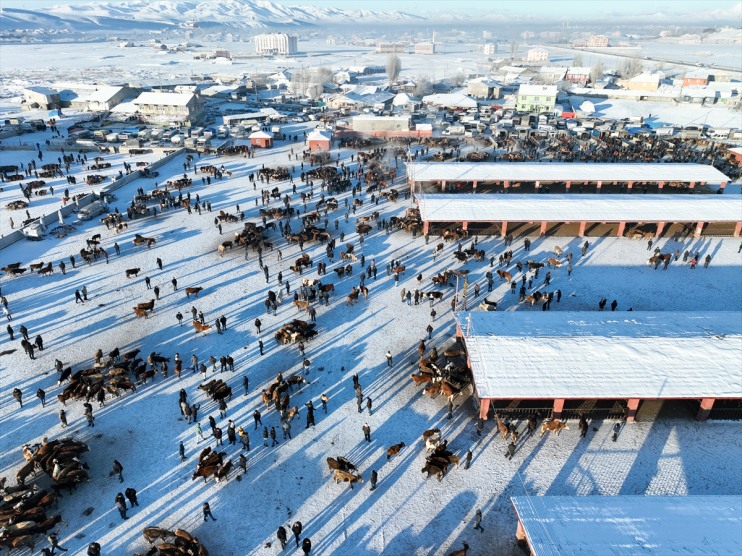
x=319, y=140
x=618, y=525
x=559, y=177
x=581, y=215
x=577, y=361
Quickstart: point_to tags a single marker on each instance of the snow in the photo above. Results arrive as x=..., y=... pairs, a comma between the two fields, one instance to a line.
x=406, y=514
x=164, y=99
x=570, y=207
x=563, y=172
x=617, y=525
x=574, y=355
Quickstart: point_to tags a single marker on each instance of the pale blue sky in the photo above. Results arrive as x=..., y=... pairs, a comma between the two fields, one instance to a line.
x=547, y=9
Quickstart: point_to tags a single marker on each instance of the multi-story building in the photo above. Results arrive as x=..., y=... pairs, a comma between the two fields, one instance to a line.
x=536, y=98
x=177, y=107
x=489, y=49
x=537, y=55
x=424, y=48
x=597, y=41
x=390, y=47
x=275, y=43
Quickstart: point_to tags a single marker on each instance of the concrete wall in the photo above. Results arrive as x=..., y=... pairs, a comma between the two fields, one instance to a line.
x=51, y=220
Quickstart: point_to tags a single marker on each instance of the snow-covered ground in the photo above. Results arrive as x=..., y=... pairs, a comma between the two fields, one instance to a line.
x=406, y=514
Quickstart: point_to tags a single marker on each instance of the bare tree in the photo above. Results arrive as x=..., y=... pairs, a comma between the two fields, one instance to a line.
x=577, y=60
x=631, y=68
x=310, y=83
x=513, y=49
x=393, y=67
x=423, y=87
x=596, y=72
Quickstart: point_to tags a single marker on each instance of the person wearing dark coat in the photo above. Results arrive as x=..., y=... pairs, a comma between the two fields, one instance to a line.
x=131, y=495
x=310, y=414
x=306, y=546
x=39, y=342
x=10, y=332
x=207, y=511
x=374, y=478
x=42, y=396
x=24, y=332
x=281, y=536
x=296, y=529
x=121, y=505
x=511, y=451
x=118, y=470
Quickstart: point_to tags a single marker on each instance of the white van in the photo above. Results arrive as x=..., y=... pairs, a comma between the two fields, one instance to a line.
x=92, y=210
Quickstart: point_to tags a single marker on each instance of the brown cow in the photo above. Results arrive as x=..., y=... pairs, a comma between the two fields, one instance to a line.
x=554, y=262
x=194, y=290
x=502, y=427
x=553, y=425
x=394, y=450
x=347, y=476
x=432, y=469
x=420, y=379
x=505, y=275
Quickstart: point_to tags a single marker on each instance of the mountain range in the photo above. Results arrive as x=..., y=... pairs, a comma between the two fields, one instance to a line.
x=158, y=14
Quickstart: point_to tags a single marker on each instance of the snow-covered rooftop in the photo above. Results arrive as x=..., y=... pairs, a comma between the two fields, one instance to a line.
x=579, y=208
x=562, y=172
x=594, y=355
x=103, y=93
x=318, y=135
x=618, y=525
x=164, y=99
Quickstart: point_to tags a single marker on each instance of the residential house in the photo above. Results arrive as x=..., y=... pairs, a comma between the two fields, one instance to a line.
x=537, y=55
x=536, y=98
x=696, y=78
x=579, y=75
x=41, y=97
x=644, y=82
x=180, y=107
x=483, y=88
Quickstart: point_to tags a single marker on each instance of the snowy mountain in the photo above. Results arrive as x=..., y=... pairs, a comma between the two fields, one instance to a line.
x=145, y=14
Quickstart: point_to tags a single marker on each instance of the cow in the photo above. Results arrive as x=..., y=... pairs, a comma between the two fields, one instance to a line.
x=553, y=425
x=554, y=262
x=132, y=272
x=432, y=469
x=558, y=250
x=346, y=476
x=194, y=290
x=505, y=275
x=420, y=379
x=394, y=450
x=502, y=428
x=301, y=305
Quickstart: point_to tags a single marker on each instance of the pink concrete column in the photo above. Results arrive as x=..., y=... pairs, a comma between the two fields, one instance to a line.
x=629, y=185
x=484, y=408
x=474, y=185
x=583, y=225
x=506, y=184
x=520, y=533
x=722, y=185
x=600, y=184
x=504, y=230
x=426, y=227
x=568, y=185
x=558, y=408
x=692, y=185
x=621, y=229
x=443, y=185
x=632, y=406
x=706, y=405
x=464, y=225
x=699, y=230
x=543, y=228
x=661, y=185
x=738, y=229
x=660, y=227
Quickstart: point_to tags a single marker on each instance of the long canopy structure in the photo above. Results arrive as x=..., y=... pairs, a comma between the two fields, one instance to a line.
x=572, y=208
x=619, y=525
x=586, y=355
x=563, y=172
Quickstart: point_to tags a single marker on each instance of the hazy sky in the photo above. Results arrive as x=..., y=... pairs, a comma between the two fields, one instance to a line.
x=558, y=9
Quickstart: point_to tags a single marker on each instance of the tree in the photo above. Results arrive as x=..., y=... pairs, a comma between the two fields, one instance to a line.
x=423, y=87
x=577, y=60
x=631, y=68
x=393, y=67
x=310, y=83
x=596, y=72
x=513, y=49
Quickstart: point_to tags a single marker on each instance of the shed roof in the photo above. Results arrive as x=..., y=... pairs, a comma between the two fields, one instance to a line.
x=618, y=525
x=164, y=99
x=260, y=135
x=318, y=135
x=579, y=208
x=594, y=355
x=562, y=172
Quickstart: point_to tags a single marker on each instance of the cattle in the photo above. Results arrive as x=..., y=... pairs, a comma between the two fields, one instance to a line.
x=505, y=275
x=554, y=262
x=193, y=291
x=502, y=428
x=461, y=552
x=340, y=463
x=346, y=476
x=433, y=442
x=431, y=433
x=151, y=534
x=533, y=265
x=432, y=469
x=201, y=327
x=553, y=425
x=132, y=272
x=421, y=378
x=225, y=245
x=558, y=250
x=488, y=305
x=47, y=270
x=301, y=305
x=394, y=450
